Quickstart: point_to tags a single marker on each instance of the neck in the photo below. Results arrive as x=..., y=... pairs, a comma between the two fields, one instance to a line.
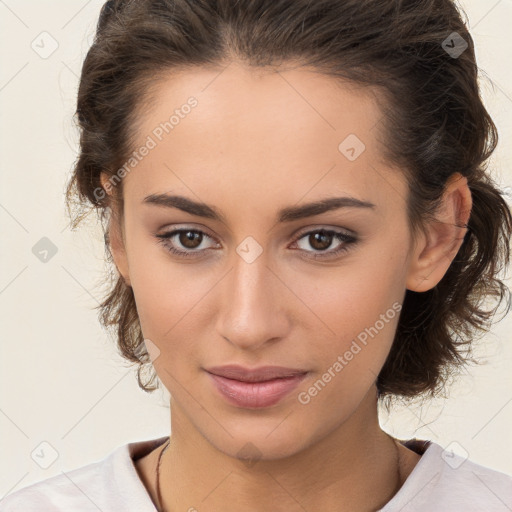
x=355, y=467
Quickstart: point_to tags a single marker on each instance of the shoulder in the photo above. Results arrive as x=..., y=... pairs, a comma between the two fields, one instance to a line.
x=111, y=484
x=70, y=490
x=443, y=480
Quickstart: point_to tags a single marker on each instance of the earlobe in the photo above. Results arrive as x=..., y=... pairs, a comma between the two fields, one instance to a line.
x=436, y=248
x=117, y=246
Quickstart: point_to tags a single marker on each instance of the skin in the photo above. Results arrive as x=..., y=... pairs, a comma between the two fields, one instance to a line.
x=259, y=141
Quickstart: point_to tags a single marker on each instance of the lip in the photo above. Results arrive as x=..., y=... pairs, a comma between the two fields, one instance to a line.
x=260, y=374
x=255, y=388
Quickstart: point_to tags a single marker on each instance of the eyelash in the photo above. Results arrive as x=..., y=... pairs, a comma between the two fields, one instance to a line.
x=347, y=240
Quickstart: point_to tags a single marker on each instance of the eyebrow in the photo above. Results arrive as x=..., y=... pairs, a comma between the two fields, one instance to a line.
x=287, y=214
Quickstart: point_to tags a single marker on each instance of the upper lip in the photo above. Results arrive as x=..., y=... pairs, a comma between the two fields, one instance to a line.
x=260, y=374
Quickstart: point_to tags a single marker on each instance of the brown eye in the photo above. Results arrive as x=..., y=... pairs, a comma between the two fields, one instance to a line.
x=189, y=239
x=322, y=239
x=184, y=242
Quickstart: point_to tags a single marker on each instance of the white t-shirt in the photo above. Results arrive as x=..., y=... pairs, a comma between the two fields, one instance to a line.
x=440, y=482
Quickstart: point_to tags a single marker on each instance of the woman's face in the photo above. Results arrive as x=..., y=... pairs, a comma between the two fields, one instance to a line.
x=260, y=284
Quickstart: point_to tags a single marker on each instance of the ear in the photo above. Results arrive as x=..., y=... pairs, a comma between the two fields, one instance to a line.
x=115, y=235
x=436, y=248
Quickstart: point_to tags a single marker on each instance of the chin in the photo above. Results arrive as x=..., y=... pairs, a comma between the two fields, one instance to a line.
x=260, y=441
x=253, y=449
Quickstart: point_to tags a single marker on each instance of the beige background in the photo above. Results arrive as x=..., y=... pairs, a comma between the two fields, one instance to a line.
x=62, y=382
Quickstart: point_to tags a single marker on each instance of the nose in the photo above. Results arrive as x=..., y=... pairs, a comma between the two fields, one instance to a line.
x=253, y=310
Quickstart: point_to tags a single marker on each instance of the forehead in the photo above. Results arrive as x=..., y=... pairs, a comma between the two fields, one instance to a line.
x=279, y=132
x=262, y=101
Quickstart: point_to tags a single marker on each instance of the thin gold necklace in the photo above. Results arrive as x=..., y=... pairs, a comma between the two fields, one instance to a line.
x=159, y=495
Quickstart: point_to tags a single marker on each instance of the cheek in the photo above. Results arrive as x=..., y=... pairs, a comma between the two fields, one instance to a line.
x=348, y=299
x=356, y=310
x=167, y=294
x=362, y=321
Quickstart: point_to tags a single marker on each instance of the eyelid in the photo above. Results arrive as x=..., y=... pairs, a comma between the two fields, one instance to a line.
x=323, y=227
x=186, y=227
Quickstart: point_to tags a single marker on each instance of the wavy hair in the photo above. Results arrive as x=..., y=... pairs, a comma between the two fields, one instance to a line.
x=434, y=122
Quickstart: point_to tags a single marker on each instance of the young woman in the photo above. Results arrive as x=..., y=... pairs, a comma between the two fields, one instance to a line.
x=295, y=199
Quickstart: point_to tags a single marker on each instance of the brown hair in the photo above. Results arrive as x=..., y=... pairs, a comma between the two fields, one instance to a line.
x=434, y=120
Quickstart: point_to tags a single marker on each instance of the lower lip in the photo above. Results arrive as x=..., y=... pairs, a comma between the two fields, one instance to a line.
x=255, y=395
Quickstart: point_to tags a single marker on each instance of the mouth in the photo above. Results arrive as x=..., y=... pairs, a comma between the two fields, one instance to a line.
x=255, y=388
